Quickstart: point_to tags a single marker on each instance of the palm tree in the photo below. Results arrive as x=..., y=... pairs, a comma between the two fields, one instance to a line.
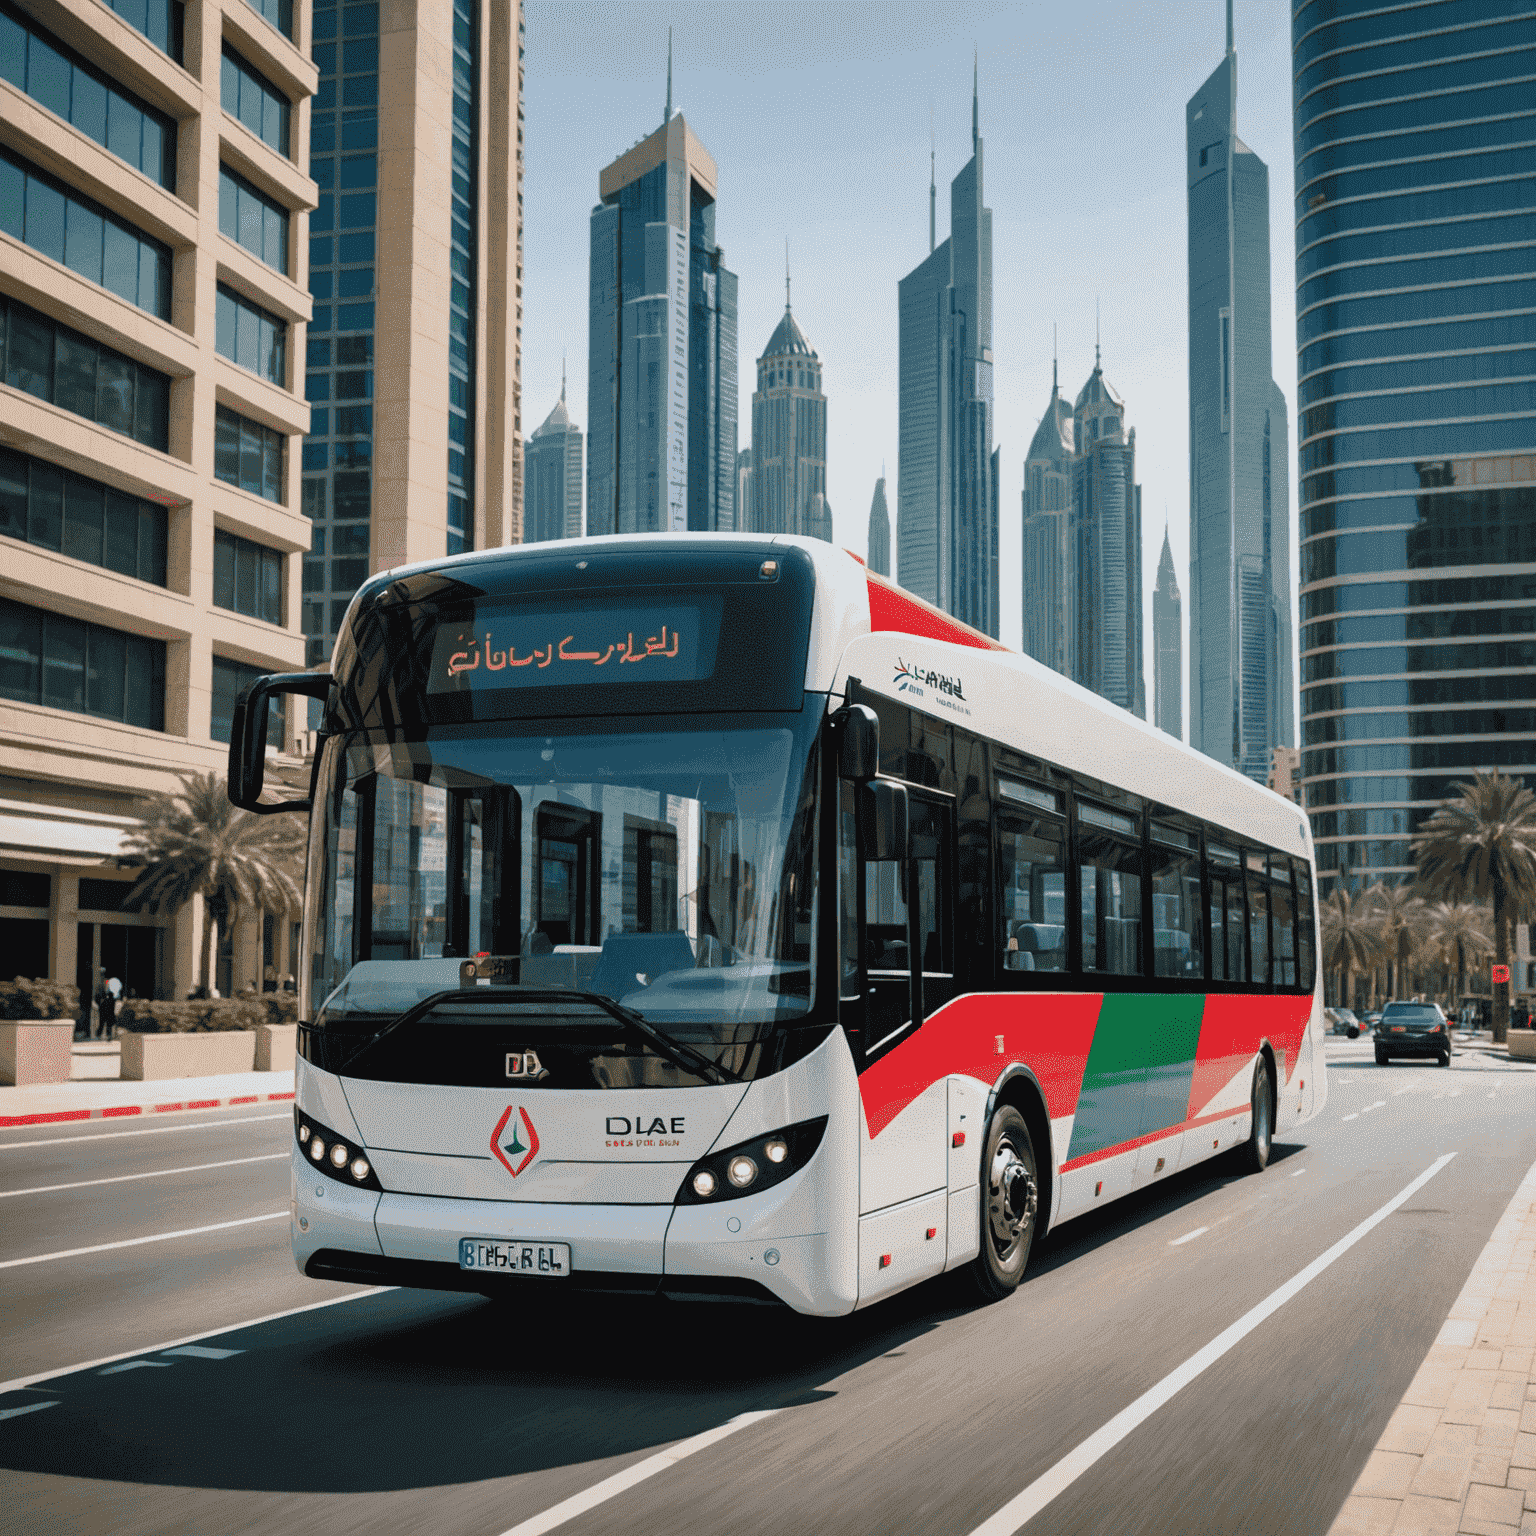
x=1399, y=915
x=1459, y=933
x=196, y=843
x=1350, y=939
x=1482, y=847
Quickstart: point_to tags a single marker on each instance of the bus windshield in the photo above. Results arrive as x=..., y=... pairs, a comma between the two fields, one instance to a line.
x=669, y=871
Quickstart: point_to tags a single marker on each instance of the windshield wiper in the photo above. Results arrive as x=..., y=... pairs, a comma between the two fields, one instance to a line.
x=678, y=1052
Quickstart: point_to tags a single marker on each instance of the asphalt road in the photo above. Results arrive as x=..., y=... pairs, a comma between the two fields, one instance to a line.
x=395, y=1411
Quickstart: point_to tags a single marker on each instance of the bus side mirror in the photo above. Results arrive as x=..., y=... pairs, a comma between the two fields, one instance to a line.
x=884, y=820
x=248, y=736
x=858, y=743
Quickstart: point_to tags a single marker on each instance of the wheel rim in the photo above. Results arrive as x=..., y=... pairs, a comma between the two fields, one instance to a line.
x=1012, y=1200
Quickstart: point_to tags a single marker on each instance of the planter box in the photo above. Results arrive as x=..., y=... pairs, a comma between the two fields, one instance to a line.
x=152, y=1057
x=35, y=1050
x=1522, y=1044
x=275, y=1047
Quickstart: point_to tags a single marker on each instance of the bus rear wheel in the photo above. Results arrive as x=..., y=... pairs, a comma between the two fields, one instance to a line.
x=1010, y=1201
x=1256, y=1153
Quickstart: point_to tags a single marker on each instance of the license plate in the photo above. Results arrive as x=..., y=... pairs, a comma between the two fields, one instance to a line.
x=507, y=1258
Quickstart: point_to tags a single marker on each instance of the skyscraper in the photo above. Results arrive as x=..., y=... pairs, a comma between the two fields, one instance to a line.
x=661, y=375
x=879, y=532
x=415, y=266
x=744, y=483
x=789, y=436
x=1047, y=509
x=1103, y=551
x=1416, y=338
x=552, y=478
x=1167, y=647
x=947, y=469
x=1241, y=682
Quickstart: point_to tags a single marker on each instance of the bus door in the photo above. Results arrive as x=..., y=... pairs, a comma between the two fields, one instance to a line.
x=908, y=950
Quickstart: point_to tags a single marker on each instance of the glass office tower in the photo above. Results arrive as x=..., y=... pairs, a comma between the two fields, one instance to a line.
x=1416, y=334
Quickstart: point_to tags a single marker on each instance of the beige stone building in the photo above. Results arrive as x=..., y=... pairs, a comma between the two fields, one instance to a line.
x=153, y=311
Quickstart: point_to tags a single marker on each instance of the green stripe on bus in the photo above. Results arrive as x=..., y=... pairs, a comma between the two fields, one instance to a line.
x=1139, y=1069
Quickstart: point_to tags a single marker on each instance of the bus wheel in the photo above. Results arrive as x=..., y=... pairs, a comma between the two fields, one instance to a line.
x=1256, y=1154
x=1010, y=1199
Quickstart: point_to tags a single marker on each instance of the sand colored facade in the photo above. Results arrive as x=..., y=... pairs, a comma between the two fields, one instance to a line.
x=119, y=670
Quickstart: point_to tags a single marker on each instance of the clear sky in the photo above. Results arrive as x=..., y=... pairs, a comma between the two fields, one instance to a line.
x=817, y=115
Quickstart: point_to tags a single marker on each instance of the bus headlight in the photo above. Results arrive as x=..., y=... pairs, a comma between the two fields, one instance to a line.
x=332, y=1155
x=752, y=1165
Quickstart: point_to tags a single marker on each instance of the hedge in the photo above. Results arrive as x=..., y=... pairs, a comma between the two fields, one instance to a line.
x=39, y=999
x=208, y=1014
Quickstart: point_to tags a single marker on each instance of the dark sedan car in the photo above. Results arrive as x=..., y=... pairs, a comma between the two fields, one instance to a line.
x=1413, y=1029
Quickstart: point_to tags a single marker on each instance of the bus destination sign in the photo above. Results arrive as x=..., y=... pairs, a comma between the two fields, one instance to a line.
x=532, y=645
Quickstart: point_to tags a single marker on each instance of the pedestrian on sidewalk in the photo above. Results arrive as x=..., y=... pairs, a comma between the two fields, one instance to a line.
x=106, y=1007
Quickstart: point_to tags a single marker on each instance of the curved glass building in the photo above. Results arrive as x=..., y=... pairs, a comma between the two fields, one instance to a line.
x=1415, y=130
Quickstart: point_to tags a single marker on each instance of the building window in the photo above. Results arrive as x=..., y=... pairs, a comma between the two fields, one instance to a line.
x=230, y=680
x=159, y=20
x=59, y=223
x=1226, y=368
x=279, y=13
x=247, y=577
x=60, y=510
x=247, y=454
x=36, y=62
x=246, y=334
x=89, y=669
x=253, y=220
x=247, y=94
x=77, y=374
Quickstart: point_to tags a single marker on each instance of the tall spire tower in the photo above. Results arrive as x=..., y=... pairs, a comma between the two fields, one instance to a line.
x=668, y=117
x=933, y=190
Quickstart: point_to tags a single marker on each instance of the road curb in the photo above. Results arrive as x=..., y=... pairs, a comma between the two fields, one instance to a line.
x=115, y=1111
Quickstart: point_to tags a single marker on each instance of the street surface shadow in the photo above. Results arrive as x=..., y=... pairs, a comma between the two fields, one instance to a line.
x=406, y=1390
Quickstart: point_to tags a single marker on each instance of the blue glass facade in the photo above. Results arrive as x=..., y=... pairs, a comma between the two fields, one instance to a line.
x=662, y=359
x=338, y=453
x=464, y=238
x=1416, y=337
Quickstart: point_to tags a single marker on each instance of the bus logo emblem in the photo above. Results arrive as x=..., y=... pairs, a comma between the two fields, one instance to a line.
x=525, y=1064
x=515, y=1146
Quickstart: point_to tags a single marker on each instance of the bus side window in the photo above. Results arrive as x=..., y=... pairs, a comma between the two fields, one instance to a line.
x=1032, y=902
x=847, y=893
x=885, y=918
x=1228, y=915
x=1109, y=870
x=1258, y=920
x=1283, y=916
x=932, y=881
x=1305, y=948
x=1177, y=931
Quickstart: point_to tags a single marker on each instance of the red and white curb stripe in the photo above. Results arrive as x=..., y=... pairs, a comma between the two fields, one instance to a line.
x=115, y=1111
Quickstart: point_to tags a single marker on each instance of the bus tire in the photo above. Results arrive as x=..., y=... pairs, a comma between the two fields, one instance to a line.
x=1261, y=1135
x=1010, y=1202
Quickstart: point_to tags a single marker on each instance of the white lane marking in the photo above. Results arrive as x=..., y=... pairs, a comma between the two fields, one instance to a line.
x=202, y=1352
x=1298, y=1173
x=1352, y=1117
x=147, y=1130
x=134, y=1242
x=1379, y=1104
x=620, y=1482
x=1397, y=1093
x=16, y=1413
x=159, y=1173
x=21, y=1383
x=1189, y=1237
x=1028, y=1503
x=136, y=1365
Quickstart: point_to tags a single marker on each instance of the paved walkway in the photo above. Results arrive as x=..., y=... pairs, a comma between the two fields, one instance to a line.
x=1459, y=1454
x=50, y=1103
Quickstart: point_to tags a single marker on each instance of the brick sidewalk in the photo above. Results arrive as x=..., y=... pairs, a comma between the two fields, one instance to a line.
x=1459, y=1453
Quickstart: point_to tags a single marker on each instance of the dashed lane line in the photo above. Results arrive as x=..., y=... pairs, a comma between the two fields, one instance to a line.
x=1298, y=1173
x=176, y=1346
x=16, y=1413
x=1189, y=1237
x=134, y=1242
x=1057, y=1479
x=579, y=1503
x=158, y=1173
x=1379, y=1104
x=147, y=1130
x=1354, y=1116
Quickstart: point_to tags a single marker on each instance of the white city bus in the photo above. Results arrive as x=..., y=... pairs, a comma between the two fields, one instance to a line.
x=705, y=916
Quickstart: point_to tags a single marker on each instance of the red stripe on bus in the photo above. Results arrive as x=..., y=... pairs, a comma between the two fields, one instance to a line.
x=1051, y=1031
x=892, y=609
x=1230, y=1030
x=1099, y=1156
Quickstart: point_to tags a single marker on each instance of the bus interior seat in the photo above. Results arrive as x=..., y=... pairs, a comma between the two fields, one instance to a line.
x=628, y=956
x=1042, y=947
x=888, y=949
